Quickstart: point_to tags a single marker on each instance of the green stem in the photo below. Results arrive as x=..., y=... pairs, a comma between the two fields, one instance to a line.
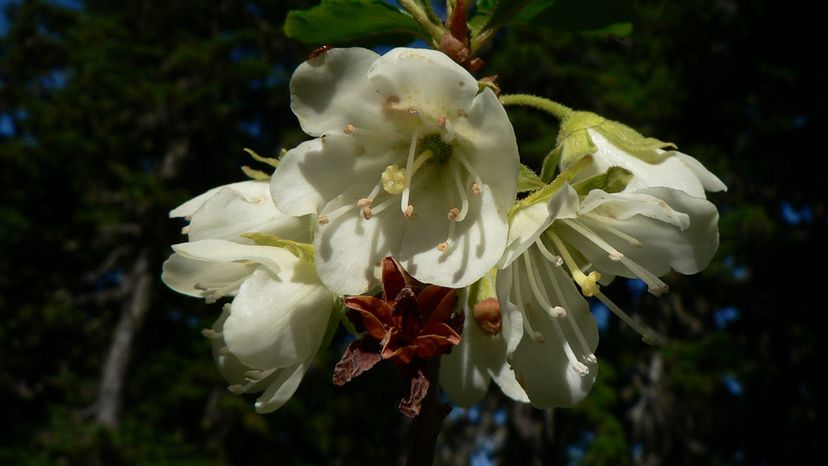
x=420, y=15
x=557, y=110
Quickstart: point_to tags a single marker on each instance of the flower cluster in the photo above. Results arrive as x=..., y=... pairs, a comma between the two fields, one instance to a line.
x=408, y=190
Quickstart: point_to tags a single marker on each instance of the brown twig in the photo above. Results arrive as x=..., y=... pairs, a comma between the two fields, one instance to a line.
x=427, y=424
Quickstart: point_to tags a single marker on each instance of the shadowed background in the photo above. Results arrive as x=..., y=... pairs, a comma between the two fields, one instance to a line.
x=112, y=113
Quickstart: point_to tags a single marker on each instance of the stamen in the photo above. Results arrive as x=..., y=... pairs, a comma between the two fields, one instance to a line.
x=349, y=128
x=464, y=198
x=367, y=213
x=322, y=219
x=442, y=121
x=618, y=233
x=478, y=183
x=185, y=230
x=408, y=212
x=568, y=315
x=579, y=367
x=382, y=206
x=326, y=217
x=224, y=351
x=365, y=202
x=535, y=335
x=409, y=163
x=453, y=213
x=442, y=246
x=588, y=283
x=553, y=258
x=449, y=238
x=647, y=335
x=654, y=284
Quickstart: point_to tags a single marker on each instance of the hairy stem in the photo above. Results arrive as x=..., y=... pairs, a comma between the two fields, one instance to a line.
x=557, y=110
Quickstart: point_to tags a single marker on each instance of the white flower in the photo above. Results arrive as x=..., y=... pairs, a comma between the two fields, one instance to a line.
x=612, y=144
x=267, y=338
x=222, y=215
x=411, y=160
x=642, y=234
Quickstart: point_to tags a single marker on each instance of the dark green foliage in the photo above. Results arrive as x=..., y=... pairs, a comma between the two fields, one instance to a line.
x=114, y=113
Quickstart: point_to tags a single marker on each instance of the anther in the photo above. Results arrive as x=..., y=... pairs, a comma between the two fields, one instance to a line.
x=224, y=351
x=616, y=256
x=349, y=128
x=590, y=358
x=559, y=312
x=185, y=230
x=365, y=202
x=409, y=212
x=253, y=375
x=476, y=189
x=442, y=121
x=453, y=213
x=367, y=213
x=322, y=220
x=413, y=111
x=580, y=368
x=442, y=246
x=236, y=389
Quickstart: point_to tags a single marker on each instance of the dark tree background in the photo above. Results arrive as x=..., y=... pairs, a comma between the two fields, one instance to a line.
x=112, y=113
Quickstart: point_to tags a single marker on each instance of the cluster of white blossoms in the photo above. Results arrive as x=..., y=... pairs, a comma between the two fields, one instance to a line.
x=413, y=160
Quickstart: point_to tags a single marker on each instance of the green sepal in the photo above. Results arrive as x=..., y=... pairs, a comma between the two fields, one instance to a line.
x=550, y=164
x=273, y=162
x=646, y=149
x=549, y=190
x=614, y=180
x=575, y=141
x=254, y=174
x=528, y=180
x=303, y=251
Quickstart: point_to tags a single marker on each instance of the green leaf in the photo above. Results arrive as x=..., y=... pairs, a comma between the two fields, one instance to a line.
x=614, y=180
x=303, y=251
x=579, y=15
x=337, y=22
x=528, y=180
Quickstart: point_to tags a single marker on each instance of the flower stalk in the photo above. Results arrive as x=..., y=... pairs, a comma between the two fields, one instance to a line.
x=555, y=109
x=426, y=426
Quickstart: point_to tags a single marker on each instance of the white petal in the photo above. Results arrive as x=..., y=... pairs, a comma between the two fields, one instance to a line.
x=349, y=249
x=278, y=320
x=464, y=372
x=317, y=171
x=627, y=205
x=478, y=240
x=190, y=207
x=182, y=274
x=672, y=172
x=543, y=369
x=528, y=223
x=332, y=90
x=486, y=138
x=710, y=181
x=245, y=208
x=227, y=252
x=426, y=80
x=664, y=245
x=283, y=385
